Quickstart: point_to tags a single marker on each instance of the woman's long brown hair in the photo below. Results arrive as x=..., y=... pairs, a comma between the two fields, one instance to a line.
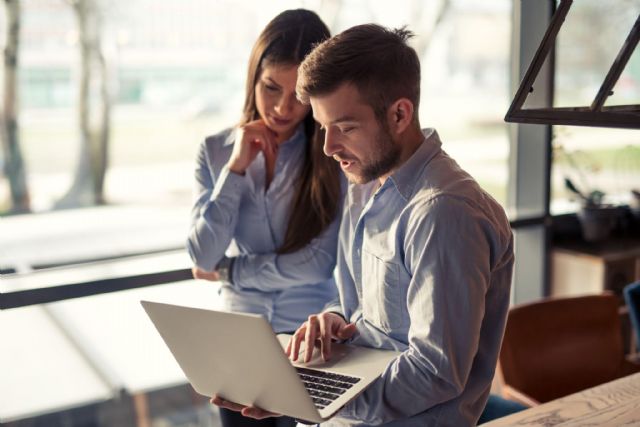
x=286, y=40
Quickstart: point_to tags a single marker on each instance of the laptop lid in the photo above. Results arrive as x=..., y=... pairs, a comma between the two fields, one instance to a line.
x=239, y=357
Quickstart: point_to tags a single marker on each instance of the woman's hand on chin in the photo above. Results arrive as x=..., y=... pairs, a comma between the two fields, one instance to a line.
x=252, y=138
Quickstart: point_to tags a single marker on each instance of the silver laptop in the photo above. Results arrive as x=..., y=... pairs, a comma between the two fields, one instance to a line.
x=239, y=357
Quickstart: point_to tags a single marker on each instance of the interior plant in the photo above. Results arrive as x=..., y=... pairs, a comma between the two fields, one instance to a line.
x=592, y=198
x=597, y=218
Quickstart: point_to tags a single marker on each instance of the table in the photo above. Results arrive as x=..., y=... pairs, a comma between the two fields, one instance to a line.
x=615, y=403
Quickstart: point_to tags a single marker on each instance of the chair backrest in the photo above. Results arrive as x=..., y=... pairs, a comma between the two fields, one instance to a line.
x=632, y=297
x=558, y=346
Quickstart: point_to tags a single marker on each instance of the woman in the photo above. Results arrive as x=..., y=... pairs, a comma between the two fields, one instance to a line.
x=267, y=196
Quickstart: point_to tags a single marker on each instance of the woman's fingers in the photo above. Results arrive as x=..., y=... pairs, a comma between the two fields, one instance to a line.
x=250, y=139
x=268, y=142
x=205, y=275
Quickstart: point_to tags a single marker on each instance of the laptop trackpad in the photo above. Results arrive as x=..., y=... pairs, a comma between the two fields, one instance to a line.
x=339, y=353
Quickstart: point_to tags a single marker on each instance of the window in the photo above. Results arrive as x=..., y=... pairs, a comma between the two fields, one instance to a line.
x=175, y=73
x=602, y=159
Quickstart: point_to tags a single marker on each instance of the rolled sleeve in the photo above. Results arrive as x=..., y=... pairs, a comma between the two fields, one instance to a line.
x=214, y=226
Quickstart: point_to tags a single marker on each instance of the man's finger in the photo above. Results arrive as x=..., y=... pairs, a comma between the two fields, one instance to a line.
x=347, y=331
x=297, y=338
x=310, y=337
x=292, y=339
x=325, y=338
x=287, y=349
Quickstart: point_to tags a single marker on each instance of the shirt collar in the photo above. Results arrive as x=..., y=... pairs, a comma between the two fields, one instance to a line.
x=296, y=137
x=231, y=137
x=404, y=178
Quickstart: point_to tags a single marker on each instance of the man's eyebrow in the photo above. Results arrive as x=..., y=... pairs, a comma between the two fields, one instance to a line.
x=339, y=120
x=343, y=119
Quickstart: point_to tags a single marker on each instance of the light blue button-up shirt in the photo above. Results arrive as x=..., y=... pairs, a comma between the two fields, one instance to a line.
x=424, y=267
x=235, y=212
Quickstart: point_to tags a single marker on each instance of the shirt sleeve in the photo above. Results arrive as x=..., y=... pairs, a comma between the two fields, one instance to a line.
x=312, y=264
x=447, y=251
x=347, y=299
x=215, y=212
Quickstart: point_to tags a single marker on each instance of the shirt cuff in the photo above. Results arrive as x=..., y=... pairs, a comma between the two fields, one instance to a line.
x=348, y=411
x=335, y=308
x=225, y=269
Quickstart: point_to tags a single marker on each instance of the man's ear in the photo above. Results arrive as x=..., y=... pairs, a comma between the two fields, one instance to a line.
x=400, y=115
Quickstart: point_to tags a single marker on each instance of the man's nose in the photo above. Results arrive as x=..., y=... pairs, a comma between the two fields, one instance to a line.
x=331, y=145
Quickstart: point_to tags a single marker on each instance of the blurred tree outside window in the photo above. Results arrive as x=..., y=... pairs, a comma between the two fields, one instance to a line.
x=13, y=166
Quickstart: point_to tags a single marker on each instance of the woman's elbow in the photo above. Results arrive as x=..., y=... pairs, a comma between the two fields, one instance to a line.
x=198, y=256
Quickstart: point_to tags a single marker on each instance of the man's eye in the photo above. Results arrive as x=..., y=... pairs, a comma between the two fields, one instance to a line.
x=346, y=130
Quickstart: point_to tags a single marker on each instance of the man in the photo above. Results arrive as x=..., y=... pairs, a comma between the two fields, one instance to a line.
x=425, y=256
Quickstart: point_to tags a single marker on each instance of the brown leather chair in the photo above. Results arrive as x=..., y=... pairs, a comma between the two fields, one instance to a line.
x=559, y=346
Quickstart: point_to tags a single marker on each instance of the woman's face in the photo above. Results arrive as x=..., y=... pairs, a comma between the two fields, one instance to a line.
x=276, y=99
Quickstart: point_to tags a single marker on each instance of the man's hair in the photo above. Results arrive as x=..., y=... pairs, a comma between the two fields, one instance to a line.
x=376, y=60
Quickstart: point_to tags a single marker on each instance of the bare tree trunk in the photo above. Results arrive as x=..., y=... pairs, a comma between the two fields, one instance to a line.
x=14, y=167
x=331, y=9
x=102, y=138
x=417, y=25
x=87, y=188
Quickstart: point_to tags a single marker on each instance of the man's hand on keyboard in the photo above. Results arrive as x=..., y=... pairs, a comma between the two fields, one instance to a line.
x=321, y=328
x=247, y=411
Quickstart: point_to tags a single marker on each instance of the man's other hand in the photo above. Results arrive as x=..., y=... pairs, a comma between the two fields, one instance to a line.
x=247, y=411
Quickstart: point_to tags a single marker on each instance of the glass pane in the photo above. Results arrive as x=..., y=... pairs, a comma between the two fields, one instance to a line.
x=593, y=159
x=582, y=59
x=627, y=89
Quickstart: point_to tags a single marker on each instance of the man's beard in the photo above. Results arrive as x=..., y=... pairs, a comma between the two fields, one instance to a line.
x=386, y=157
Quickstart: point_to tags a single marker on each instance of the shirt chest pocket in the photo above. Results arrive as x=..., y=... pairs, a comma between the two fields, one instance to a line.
x=383, y=295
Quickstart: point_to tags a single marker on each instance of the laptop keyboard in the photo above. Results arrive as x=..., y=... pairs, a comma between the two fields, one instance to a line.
x=325, y=387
